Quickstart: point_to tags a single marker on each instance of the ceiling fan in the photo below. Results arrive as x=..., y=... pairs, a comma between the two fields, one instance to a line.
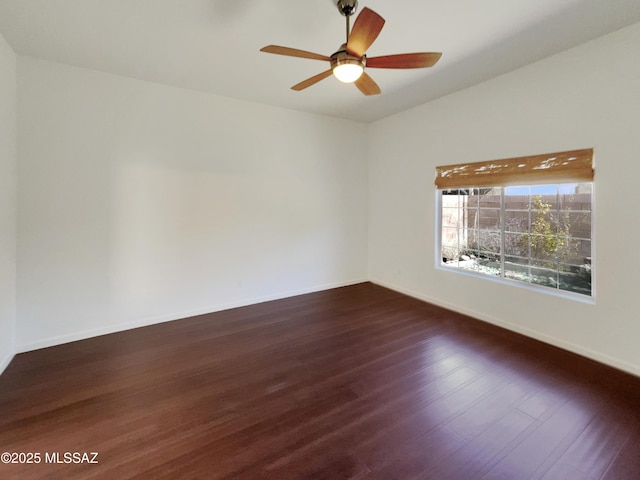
x=349, y=62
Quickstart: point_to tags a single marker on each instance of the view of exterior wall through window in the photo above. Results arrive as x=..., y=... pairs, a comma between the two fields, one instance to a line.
x=524, y=219
x=538, y=234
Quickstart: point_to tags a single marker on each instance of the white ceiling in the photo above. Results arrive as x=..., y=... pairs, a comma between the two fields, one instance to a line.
x=213, y=45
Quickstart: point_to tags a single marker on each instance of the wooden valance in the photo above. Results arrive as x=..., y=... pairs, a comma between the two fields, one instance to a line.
x=562, y=167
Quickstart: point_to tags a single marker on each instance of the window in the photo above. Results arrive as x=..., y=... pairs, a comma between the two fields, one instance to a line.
x=508, y=219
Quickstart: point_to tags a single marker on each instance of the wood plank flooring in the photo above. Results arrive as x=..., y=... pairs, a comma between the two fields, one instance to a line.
x=353, y=383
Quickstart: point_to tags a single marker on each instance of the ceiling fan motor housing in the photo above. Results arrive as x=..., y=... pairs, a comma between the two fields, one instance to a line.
x=347, y=7
x=342, y=57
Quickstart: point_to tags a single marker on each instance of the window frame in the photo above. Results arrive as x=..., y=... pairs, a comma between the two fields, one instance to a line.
x=590, y=299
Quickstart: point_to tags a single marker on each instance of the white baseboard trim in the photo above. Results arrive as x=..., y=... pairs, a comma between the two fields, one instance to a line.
x=5, y=362
x=556, y=342
x=144, y=322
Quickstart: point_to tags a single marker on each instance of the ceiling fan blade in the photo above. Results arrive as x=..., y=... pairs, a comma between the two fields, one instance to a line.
x=365, y=30
x=311, y=81
x=405, y=60
x=293, y=52
x=367, y=86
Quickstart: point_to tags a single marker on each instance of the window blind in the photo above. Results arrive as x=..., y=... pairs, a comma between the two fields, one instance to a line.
x=562, y=167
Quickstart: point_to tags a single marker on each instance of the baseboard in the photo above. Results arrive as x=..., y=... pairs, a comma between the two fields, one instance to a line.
x=5, y=363
x=145, y=322
x=571, y=347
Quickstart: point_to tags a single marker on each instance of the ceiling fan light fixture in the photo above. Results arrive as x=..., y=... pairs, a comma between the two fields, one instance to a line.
x=348, y=71
x=345, y=67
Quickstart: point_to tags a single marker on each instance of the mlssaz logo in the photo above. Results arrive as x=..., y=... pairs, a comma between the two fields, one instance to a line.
x=71, y=457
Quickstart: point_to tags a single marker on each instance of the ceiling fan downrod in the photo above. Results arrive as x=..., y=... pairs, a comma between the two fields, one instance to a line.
x=347, y=8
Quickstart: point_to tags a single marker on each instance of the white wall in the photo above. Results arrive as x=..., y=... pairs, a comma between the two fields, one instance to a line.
x=585, y=97
x=141, y=203
x=8, y=179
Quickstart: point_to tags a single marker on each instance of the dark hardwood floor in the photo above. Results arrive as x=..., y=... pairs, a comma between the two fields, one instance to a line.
x=353, y=383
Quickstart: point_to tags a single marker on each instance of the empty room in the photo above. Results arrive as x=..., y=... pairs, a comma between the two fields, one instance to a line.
x=330, y=239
